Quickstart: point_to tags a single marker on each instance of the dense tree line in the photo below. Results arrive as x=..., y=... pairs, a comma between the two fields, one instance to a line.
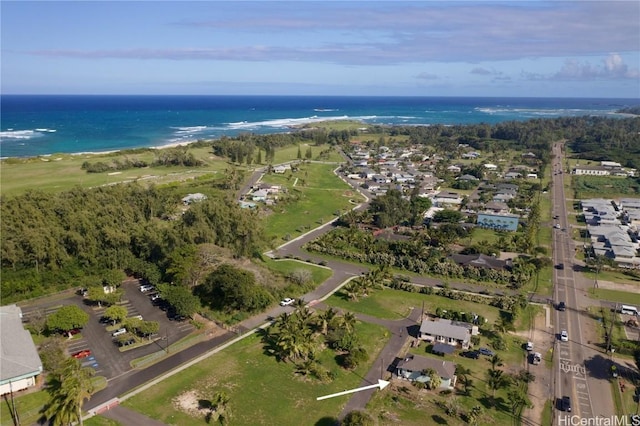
x=53, y=239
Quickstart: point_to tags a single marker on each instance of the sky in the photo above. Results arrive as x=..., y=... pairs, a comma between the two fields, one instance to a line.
x=560, y=48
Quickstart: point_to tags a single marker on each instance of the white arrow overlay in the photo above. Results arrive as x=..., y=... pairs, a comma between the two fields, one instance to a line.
x=381, y=384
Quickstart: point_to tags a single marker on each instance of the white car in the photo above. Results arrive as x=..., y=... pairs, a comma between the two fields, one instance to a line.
x=145, y=288
x=119, y=332
x=287, y=302
x=564, y=336
x=529, y=346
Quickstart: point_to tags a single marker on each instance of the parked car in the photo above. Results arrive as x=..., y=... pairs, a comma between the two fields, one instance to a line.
x=557, y=226
x=529, y=346
x=145, y=288
x=565, y=403
x=286, y=302
x=82, y=354
x=155, y=297
x=471, y=354
x=564, y=336
x=126, y=342
x=536, y=358
x=486, y=352
x=119, y=332
x=560, y=266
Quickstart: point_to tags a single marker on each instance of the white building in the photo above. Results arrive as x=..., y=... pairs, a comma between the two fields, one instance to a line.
x=20, y=364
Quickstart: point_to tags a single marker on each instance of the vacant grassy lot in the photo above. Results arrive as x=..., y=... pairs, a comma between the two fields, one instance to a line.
x=396, y=304
x=315, y=194
x=615, y=296
x=262, y=391
x=285, y=267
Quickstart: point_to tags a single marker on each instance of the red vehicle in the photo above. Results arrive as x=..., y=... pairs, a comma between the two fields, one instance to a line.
x=82, y=354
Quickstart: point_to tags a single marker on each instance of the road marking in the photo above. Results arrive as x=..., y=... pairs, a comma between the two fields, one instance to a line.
x=578, y=369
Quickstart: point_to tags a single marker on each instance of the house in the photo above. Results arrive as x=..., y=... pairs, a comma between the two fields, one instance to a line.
x=496, y=208
x=260, y=195
x=454, y=169
x=411, y=367
x=470, y=178
x=499, y=222
x=281, y=169
x=444, y=198
x=490, y=167
x=593, y=170
x=448, y=331
x=480, y=261
x=513, y=175
x=20, y=364
x=193, y=198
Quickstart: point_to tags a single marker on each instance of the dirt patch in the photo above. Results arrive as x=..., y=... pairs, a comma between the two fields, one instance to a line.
x=189, y=403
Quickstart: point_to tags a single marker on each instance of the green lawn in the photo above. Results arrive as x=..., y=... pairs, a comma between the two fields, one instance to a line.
x=28, y=407
x=615, y=296
x=101, y=421
x=396, y=304
x=262, y=391
x=284, y=267
x=318, y=194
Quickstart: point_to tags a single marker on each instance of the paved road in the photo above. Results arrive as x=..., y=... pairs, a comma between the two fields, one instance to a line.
x=580, y=370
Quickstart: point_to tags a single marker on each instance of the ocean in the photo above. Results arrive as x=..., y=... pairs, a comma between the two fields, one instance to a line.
x=33, y=125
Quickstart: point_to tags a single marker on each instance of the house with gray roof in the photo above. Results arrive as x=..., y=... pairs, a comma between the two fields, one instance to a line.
x=413, y=368
x=20, y=364
x=447, y=331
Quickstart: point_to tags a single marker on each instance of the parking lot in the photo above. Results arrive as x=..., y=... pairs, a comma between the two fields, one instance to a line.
x=105, y=356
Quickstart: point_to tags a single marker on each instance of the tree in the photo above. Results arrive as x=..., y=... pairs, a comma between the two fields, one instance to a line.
x=115, y=313
x=184, y=303
x=518, y=400
x=495, y=361
x=148, y=328
x=53, y=353
x=447, y=216
x=67, y=392
x=434, y=379
x=229, y=288
x=496, y=380
x=219, y=410
x=67, y=318
x=357, y=418
x=325, y=319
x=464, y=375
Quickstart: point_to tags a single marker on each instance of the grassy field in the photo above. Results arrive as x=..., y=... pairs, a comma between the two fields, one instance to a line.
x=396, y=304
x=61, y=172
x=284, y=267
x=28, y=407
x=614, y=276
x=262, y=391
x=615, y=296
x=101, y=421
x=319, y=194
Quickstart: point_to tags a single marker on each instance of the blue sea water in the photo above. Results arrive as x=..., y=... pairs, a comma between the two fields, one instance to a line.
x=32, y=125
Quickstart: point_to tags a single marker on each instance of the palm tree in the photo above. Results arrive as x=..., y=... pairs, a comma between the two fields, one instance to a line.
x=434, y=379
x=219, y=408
x=503, y=325
x=325, y=319
x=348, y=321
x=464, y=374
x=495, y=361
x=496, y=380
x=68, y=391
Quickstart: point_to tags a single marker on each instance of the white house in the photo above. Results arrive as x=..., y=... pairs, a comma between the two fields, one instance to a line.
x=490, y=167
x=20, y=364
x=451, y=332
x=193, y=198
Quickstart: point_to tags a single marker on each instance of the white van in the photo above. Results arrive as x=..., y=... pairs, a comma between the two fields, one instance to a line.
x=628, y=310
x=119, y=332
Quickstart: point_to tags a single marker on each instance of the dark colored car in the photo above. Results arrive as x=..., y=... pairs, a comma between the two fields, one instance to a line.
x=565, y=404
x=471, y=354
x=560, y=266
x=487, y=352
x=562, y=306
